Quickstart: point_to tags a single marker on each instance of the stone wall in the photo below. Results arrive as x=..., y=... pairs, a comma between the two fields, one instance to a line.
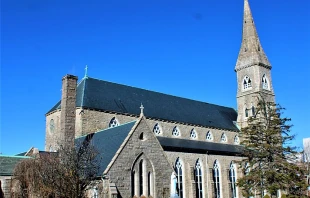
x=137, y=148
x=89, y=121
x=189, y=160
x=6, y=185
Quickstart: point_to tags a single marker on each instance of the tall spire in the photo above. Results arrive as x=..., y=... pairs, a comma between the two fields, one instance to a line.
x=251, y=52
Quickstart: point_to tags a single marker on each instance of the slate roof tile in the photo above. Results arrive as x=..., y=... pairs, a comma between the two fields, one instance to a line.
x=107, y=96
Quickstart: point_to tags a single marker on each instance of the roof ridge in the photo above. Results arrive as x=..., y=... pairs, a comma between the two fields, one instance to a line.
x=181, y=97
x=102, y=130
x=15, y=156
x=83, y=91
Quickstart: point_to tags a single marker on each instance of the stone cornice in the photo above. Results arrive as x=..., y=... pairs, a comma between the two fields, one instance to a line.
x=238, y=68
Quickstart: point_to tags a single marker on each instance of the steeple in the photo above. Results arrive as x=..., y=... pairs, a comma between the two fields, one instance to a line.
x=251, y=51
x=253, y=70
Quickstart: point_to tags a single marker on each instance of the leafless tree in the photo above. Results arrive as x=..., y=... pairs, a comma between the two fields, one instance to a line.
x=68, y=173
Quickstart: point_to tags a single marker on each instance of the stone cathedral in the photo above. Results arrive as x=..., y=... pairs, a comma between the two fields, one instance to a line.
x=170, y=146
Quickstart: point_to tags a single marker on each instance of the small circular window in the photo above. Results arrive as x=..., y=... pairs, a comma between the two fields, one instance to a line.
x=52, y=125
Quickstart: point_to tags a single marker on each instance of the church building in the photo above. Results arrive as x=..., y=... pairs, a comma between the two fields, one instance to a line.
x=158, y=145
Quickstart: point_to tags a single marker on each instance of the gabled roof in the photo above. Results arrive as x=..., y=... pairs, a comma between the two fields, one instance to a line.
x=107, y=142
x=8, y=163
x=106, y=96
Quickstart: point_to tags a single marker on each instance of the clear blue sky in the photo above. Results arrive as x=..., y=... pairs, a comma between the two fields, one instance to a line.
x=186, y=48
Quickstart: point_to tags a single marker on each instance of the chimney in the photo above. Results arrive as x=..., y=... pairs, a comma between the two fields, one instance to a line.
x=68, y=109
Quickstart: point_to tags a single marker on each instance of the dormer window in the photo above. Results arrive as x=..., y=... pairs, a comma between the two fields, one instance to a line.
x=265, y=82
x=176, y=131
x=247, y=83
x=114, y=122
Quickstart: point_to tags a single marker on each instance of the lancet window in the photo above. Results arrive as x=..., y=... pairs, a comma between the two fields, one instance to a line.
x=217, y=179
x=247, y=83
x=52, y=125
x=236, y=139
x=198, y=180
x=265, y=82
x=233, y=179
x=178, y=170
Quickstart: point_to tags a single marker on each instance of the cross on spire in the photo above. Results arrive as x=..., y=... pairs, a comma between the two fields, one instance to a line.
x=86, y=69
x=141, y=108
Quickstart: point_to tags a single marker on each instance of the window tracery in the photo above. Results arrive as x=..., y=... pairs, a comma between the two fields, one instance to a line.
x=247, y=83
x=265, y=82
x=176, y=131
x=193, y=134
x=178, y=170
x=157, y=129
x=114, y=122
x=198, y=179
x=236, y=139
x=209, y=136
x=223, y=138
x=217, y=179
x=52, y=125
x=233, y=179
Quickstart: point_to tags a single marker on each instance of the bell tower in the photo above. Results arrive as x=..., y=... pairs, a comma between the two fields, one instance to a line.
x=253, y=70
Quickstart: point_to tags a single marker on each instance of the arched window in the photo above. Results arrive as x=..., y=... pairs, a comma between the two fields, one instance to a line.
x=176, y=131
x=149, y=183
x=178, y=170
x=141, y=177
x=233, y=179
x=133, y=183
x=198, y=179
x=246, y=168
x=236, y=139
x=95, y=192
x=223, y=138
x=217, y=179
x=247, y=83
x=113, y=122
x=265, y=82
x=51, y=149
x=52, y=125
x=209, y=136
x=253, y=111
x=157, y=129
x=246, y=112
x=193, y=134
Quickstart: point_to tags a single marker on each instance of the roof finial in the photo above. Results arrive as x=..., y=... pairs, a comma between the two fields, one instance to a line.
x=86, y=68
x=141, y=107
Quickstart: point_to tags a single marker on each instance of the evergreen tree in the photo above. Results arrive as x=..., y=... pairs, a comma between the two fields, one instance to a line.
x=270, y=162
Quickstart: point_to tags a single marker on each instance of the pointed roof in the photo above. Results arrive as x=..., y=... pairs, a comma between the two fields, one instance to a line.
x=251, y=51
x=112, y=97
